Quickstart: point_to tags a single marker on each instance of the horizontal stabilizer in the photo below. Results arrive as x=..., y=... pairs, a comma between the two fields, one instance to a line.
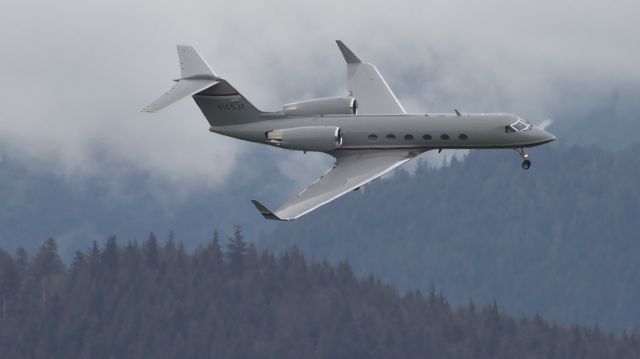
x=182, y=89
x=196, y=76
x=266, y=213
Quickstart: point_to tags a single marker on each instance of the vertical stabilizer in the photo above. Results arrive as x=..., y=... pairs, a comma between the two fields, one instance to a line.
x=196, y=76
x=192, y=64
x=220, y=102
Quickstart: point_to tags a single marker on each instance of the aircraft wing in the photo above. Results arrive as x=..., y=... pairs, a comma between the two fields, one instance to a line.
x=351, y=170
x=367, y=85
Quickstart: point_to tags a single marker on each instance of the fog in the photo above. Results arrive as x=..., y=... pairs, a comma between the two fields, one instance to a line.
x=76, y=73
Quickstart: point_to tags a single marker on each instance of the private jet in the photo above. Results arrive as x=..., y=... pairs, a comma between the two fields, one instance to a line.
x=368, y=132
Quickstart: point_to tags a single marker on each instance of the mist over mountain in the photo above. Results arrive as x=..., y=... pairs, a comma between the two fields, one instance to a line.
x=85, y=177
x=559, y=240
x=38, y=205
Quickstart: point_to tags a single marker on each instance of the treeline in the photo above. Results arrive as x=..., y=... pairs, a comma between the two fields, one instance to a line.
x=154, y=300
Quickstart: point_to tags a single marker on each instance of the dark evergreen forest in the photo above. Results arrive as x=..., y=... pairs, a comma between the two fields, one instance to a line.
x=229, y=300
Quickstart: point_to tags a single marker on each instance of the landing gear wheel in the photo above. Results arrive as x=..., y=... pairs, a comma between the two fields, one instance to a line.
x=525, y=158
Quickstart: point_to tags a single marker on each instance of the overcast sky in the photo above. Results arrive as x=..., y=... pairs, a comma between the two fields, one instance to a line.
x=76, y=73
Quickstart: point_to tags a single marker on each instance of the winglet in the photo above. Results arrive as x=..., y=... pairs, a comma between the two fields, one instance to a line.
x=264, y=211
x=349, y=56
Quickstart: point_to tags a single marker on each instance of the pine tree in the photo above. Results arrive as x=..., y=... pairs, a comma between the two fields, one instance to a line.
x=47, y=271
x=110, y=254
x=150, y=249
x=47, y=261
x=9, y=282
x=22, y=259
x=236, y=252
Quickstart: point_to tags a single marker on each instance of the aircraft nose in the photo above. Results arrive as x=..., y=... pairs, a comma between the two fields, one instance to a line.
x=543, y=136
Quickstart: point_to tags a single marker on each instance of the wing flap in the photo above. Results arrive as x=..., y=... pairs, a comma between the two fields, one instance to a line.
x=350, y=171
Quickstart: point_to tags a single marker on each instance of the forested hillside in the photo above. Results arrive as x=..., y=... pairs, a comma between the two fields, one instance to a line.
x=561, y=239
x=232, y=301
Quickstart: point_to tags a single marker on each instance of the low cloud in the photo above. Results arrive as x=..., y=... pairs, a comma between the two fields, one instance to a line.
x=76, y=74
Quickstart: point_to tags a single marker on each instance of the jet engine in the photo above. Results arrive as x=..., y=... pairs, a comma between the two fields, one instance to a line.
x=322, y=106
x=313, y=138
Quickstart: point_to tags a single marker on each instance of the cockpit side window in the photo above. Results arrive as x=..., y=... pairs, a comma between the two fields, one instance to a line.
x=520, y=125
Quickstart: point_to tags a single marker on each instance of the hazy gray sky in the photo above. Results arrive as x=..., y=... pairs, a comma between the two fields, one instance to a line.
x=76, y=73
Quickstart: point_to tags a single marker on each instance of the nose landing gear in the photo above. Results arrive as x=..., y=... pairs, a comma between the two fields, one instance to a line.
x=526, y=163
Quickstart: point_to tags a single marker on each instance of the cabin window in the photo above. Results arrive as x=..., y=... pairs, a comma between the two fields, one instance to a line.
x=391, y=137
x=426, y=137
x=463, y=137
x=408, y=137
x=444, y=137
x=373, y=137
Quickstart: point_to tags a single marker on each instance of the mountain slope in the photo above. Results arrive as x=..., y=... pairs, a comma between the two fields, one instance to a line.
x=560, y=239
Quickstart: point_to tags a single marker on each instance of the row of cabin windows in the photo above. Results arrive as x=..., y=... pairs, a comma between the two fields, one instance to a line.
x=391, y=137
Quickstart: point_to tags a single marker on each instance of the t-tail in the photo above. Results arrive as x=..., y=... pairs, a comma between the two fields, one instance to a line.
x=220, y=103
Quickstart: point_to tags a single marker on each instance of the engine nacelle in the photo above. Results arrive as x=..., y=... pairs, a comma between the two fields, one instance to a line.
x=313, y=138
x=322, y=106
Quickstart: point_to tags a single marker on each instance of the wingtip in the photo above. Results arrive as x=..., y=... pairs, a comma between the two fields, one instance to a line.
x=264, y=211
x=349, y=56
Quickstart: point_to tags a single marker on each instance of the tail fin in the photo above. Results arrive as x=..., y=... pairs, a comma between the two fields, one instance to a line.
x=196, y=76
x=223, y=105
x=192, y=65
x=220, y=103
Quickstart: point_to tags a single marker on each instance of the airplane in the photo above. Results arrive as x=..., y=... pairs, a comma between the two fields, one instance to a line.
x=368, y=132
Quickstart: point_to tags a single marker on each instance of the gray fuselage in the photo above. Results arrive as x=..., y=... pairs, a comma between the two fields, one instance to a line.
x=366, y=144
x=421, y=131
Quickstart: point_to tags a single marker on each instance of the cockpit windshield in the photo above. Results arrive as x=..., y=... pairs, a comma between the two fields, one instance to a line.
x=520, y=125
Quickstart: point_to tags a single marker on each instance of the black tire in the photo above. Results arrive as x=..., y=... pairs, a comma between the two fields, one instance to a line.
x=526, y=164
